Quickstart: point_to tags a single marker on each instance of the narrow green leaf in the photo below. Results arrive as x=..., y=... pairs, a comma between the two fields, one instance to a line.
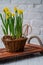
x=4, y=31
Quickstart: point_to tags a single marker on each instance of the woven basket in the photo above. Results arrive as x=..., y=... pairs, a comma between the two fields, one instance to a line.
x=12, y=44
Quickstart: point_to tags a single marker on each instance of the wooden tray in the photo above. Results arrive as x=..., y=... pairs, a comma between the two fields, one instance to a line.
x=29, y=49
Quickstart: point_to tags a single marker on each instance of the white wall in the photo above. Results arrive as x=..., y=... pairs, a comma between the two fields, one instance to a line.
x=33, y=14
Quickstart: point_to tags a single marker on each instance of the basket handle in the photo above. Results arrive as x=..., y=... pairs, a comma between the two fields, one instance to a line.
x=26, y=30
x=39, y=40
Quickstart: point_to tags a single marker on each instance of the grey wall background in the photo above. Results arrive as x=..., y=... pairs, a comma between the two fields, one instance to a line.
x=33, y=15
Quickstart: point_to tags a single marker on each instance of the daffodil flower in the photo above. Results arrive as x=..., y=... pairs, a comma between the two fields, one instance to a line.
x=15, y=9
x=8, y=13
x=13, y=14
x=6, y=9
x=20, y=11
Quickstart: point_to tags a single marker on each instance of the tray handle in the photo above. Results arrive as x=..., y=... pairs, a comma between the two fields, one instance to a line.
x=26, y=30
x=39, y=40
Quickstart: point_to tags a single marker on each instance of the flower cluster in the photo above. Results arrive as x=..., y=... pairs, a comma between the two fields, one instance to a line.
x=12, y=21
x=8, y=13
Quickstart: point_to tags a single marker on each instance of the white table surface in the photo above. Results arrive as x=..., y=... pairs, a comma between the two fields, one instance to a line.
x=29, y=61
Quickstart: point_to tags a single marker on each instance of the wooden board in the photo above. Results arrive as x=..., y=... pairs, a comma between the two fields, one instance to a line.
x=28, y=49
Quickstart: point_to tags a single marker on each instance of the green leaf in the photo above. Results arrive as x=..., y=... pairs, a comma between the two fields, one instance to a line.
x=2, y=20
x=11, y=26
x=4, y=31
x=18, y=27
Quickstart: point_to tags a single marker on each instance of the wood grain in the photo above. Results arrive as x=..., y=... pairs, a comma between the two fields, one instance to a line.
x=28, y=49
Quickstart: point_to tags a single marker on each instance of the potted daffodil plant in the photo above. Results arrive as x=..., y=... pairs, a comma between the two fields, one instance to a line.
x=12, y=29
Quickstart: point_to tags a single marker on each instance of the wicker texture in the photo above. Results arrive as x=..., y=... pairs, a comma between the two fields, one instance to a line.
x=13, y=44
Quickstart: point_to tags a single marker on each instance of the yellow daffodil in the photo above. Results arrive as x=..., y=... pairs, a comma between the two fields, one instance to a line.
x=8, y=13
x=5, y=9
x=15, y=9
x=13, y=14
x=20, y=11
x=7, y=16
